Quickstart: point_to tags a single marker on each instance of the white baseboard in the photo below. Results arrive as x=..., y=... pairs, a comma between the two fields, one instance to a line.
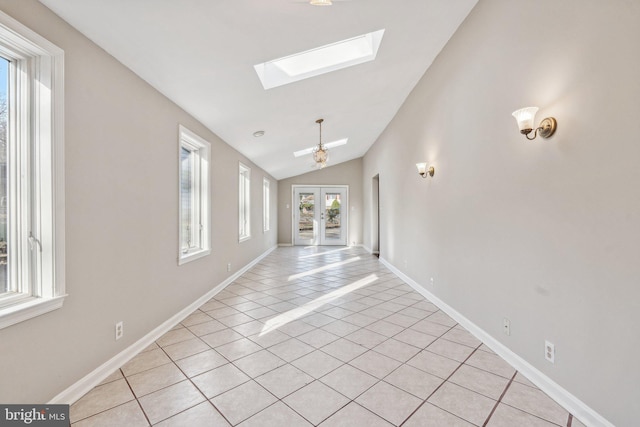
x=285, y=244
x=564, y=398
x=89, y=381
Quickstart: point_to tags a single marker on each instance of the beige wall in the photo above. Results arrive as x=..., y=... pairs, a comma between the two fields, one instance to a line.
x=348, y=173
x=121, y=220
x=545, y=233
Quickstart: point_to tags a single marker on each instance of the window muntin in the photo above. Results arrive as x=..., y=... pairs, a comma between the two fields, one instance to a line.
x=266, y=204
x=194, y=229
x=32, y=199
x=244, y=203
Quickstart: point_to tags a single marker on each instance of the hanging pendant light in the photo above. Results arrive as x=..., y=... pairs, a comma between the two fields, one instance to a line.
x=320, y=153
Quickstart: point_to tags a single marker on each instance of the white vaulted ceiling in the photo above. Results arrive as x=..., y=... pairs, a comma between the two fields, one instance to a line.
x=201, y=54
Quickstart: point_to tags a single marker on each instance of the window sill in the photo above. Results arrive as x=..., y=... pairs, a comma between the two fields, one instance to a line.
x=192, y=256
x=29, y=309
x=244, y=239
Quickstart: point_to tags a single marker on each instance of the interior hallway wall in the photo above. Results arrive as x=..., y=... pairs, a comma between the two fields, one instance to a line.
x=545, y=232
x=121, y=219
x=347, y=173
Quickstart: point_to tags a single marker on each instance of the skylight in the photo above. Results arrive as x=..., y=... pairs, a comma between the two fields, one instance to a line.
x=320, y=60
x=329, y=145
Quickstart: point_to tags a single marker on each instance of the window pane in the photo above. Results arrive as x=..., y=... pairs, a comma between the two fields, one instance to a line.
x=186, y=196
x=265, y=204
x=244, y=202
x=194, y=230
x=241, y=218
x=4, y=71
x=31, y=174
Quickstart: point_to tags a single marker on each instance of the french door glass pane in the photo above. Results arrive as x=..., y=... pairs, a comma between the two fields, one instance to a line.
x=4, y=113
x=332, y=221
x=306, y=204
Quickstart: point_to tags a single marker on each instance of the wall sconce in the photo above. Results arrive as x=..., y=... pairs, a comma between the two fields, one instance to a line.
x=424, y=171
x=526, y=117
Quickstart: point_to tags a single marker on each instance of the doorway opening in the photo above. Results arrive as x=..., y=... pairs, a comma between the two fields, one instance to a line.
x=375, y=215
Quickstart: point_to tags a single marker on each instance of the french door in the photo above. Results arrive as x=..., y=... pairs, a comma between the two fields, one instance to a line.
x=320, y=215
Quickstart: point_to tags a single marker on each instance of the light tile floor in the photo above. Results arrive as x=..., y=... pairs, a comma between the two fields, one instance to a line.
x=318, y=336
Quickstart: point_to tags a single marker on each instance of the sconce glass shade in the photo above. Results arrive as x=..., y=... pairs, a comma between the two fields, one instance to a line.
x=425, y=170
x=525, y=118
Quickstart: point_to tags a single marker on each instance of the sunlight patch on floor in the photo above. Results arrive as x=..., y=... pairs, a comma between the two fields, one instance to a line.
x=323, y=268
x=323, y=253
x=296, y=313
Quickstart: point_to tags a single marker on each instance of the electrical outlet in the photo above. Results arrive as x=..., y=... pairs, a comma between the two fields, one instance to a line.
x=550, y=351
x=506, y=326
x=229, y=266
x=432, y=282
x=119, y=330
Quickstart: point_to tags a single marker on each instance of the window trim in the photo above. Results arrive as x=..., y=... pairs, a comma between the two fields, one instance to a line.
x=38, y=122
x=202, y=148
x=244, y=202
x=266, y=204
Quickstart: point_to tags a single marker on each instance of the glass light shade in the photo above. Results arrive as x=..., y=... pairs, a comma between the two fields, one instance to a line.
x=422, y=168
x=320, y=2
x=526, y=117
x=320, y=156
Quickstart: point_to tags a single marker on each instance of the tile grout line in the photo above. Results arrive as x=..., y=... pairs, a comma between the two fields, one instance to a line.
x=500, y=399
x=194, y=385
x=443, y=382
x=135, y=397
x=108, y=409
x=529, y=413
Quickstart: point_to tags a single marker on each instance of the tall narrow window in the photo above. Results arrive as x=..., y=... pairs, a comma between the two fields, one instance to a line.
x=244, y=203
x=4, y=201
x=31, y=174
x=265, y=204
x=194, y=197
